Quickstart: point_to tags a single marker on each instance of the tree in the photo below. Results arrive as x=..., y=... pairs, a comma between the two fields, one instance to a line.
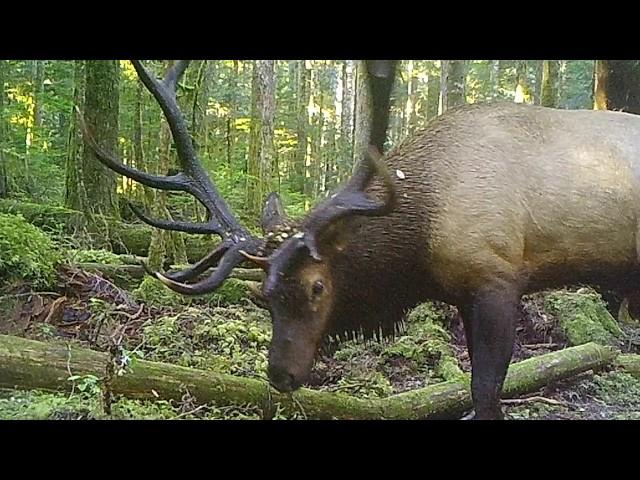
x=75, y=195
x=452, y=84
x=549, y=88
x=346, y=120
x=523, y=90
x=262, y=172
x=617, y=85
x=303, y=92
x=363, y=113
x=101, y=108
x=4, y=187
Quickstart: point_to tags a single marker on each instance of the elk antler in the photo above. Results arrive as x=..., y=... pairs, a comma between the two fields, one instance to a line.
x=351, y=200
x=192, y=179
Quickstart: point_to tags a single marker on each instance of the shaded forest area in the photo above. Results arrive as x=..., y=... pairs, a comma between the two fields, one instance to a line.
x=71, y=278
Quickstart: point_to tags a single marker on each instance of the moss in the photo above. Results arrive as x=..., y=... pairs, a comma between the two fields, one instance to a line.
x=583, y=317
x=26, y=252
x=225, y=340
x=153, y=292
x=44, y=216
x=427, y=344
x=35, y=405
x=101, y=256
x=364, y=383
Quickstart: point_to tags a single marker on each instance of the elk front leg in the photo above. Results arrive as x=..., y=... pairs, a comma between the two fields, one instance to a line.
x=492, y=327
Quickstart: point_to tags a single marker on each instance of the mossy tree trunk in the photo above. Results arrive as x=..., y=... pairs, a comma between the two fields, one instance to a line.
x=456, y=83
x=101, y=116
x=549, y=90
x=75, y=195
x=4, y=181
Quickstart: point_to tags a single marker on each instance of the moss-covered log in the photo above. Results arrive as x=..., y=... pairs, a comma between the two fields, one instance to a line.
x=123, y=238
x=28, y=364
x=628, y=363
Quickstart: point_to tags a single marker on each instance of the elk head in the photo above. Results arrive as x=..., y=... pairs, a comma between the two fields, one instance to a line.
x=299, y=287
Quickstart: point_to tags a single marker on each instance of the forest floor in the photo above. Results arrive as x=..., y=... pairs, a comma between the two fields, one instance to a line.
x=231, y=335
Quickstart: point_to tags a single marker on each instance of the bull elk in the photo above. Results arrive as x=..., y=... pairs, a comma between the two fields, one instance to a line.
x=485, y=204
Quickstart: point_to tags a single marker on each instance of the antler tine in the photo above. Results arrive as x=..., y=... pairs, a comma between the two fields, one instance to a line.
x=231, y=259
x=202, y=265
x=178, y=225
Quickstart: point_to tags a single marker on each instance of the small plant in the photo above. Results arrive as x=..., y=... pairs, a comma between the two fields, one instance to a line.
x=102, y=256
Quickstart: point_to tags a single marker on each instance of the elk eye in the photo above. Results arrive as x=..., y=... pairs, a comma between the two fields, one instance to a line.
x=318, y=287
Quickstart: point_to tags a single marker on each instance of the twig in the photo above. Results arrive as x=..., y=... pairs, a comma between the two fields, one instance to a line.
x=516, y=401
x=9, y=295
x=534, y=346
x=197, y=409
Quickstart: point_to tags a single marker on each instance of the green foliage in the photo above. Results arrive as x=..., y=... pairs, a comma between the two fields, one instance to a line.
x=583, y=317
x=102, y=256
x=26, y=252
x=618, y=388
x=426, y=343
x=227, y=340
x=153, y=292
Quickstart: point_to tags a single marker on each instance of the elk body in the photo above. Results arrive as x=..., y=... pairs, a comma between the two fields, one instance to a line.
x=487, y=203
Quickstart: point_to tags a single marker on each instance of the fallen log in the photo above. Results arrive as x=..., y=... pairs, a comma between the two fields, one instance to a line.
x=628, y=363
x=29, y=364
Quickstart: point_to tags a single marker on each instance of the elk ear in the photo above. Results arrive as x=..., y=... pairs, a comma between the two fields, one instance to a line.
x=273, y=214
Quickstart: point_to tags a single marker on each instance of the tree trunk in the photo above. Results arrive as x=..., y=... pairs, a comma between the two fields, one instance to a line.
x=346, y=120
x=262, y=174
x=4, y=181
x=537, y=91
x=618, y=85
x=75, y=195
x=549, y=90
x=38, y=90
x=101, y=116
x=411, y=113
x=303, y=88
x=233, y=107
x=362, y=115
x=456, y=83
x=494, y=79
x=29, y=364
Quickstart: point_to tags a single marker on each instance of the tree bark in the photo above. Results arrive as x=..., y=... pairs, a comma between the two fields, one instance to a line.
x=101, y=116
x=549, y=90
x=29, y=364
x=346, y=120
x=262, y=174
x=4, y=181
x=456, y=83
x=362, y=114
x=303, y=88
x=618, y=85
x=75, y=195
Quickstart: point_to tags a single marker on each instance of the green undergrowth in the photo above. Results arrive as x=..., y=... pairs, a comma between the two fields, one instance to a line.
x=101, y=256
x=421, y=355
x=37, y=405
x=155, y=293
x=26, y=252
x=231, y=340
